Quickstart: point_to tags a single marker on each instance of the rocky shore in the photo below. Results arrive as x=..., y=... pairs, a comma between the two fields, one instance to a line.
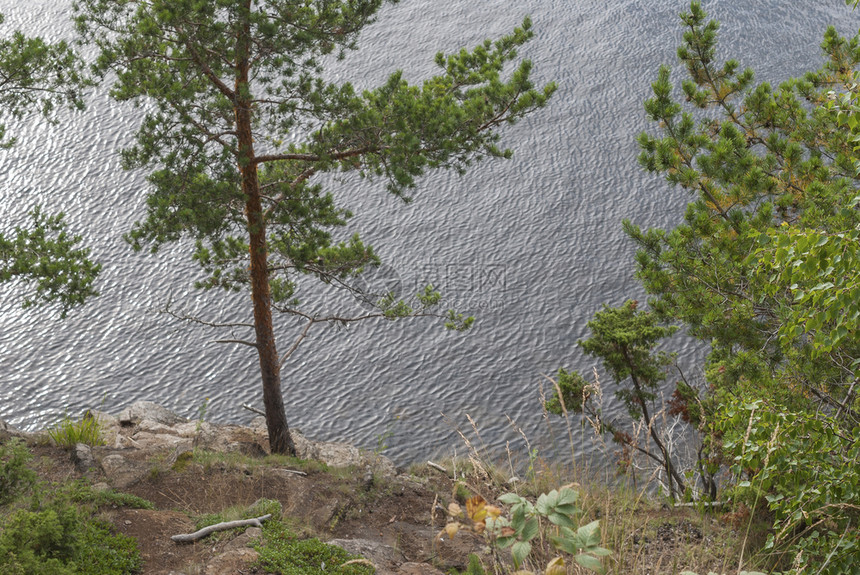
x=356, y=499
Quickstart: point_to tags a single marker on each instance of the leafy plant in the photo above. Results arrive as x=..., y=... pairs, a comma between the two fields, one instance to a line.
x=15, y=476
x=808, y=473
x=538, y=534
x=68, y=433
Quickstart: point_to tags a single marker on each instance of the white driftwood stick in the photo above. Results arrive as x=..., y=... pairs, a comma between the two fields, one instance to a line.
x=702, y=503
x=192, y=537
x=254, y=409
x=437, y=467
x=293, y=471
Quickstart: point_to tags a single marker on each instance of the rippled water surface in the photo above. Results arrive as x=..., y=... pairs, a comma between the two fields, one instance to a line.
x=531, y=246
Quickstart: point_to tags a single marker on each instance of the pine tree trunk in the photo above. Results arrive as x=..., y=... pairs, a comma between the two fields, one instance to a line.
x=270, y=371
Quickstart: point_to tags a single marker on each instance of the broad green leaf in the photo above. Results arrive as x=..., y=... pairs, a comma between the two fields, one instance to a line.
x=566, y=544
x=560, y=519
x=519, y=551
x=590, y=533
x=589, y=562
x=531, y=529
x=567, y=496
x=510, y=498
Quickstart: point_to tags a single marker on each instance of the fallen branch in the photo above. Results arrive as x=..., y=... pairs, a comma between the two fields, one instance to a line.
x=192, y=537
x=437, y=467
x=254, y=409
x=293, y=471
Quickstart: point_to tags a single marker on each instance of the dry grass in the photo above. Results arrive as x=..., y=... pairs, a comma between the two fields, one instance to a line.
x=646, y=533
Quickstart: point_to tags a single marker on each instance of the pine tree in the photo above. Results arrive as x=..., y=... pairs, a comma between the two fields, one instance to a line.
x=243, y=119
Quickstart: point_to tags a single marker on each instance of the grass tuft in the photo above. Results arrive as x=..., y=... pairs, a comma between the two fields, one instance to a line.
x=69, y=433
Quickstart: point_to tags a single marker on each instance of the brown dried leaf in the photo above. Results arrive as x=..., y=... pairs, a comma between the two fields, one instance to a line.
x=451, y=529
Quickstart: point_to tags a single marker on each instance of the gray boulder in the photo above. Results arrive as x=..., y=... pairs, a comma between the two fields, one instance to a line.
x=82, y=457
x=148, y=411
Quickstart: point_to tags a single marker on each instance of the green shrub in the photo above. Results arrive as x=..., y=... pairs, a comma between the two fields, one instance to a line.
x=283, y=552
x=15, y=476
x=806, y=468
x=101, y=552
x=55, y=538
x=39, y=541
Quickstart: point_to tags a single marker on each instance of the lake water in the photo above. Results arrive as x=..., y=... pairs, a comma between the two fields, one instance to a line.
x=531, y=246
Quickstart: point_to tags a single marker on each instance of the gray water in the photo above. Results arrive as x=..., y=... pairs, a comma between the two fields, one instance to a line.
x=531, y=246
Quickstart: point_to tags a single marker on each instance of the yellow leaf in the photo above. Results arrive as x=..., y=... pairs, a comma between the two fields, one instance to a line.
x=475, y=508
x=556, y=567
x=493, y=511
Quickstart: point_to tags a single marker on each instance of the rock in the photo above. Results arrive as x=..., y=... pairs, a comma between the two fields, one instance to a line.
x=146, y=440
x=385, y=558
x=157, y=427
x=108, y=425
x=121, y=472
x=335, y=454
x=246, y=539
x=233, y=561
x=82, y=457
x=148, y=411
x=178, y=452
x=228, y=439
x=379, y=464
x=7, y=431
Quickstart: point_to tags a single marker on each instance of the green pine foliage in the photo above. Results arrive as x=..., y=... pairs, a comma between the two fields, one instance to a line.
x=625, y=338
x=763, y=268
x=38, y=76
x=761, y=157
x=243, y=121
